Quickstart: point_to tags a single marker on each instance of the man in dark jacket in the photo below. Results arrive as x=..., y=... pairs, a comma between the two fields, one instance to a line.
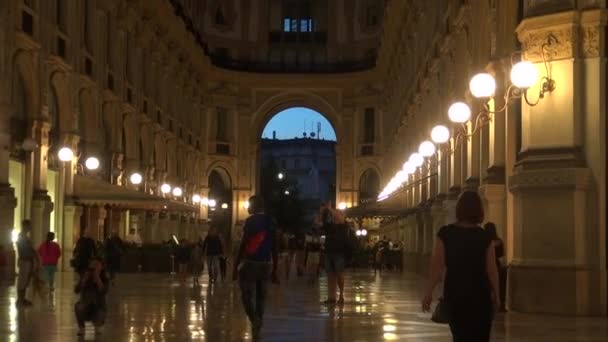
x=84, y=251
x=114, y=249
x=258, y=248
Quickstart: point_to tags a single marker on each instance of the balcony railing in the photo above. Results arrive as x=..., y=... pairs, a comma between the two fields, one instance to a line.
x=283, y=67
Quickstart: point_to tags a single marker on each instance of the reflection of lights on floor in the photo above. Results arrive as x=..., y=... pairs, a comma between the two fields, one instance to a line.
x=389, y=328
x=390, y=321
x=390, y=336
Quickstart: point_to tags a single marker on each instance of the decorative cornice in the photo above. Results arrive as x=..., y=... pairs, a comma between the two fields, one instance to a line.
x=572, y=178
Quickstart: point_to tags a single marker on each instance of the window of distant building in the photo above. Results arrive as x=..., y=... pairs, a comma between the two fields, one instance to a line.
x=283, y=164
x=297, y=163
x=297, y=25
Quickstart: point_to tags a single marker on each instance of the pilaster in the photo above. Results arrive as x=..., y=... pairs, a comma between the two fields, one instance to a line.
x=40, y=216
x=70, y=233
x=559, y=182
x=8, y=202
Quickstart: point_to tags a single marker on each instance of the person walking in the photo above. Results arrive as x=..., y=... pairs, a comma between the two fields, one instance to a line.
x=196, y=263
x=212, y=246
x=465, y=255
x=49, y=252
x=27, y=262
x=499, y=251
x=336, y=248
x=256, y=260
x=182, y=257
x=91, y=306
x=114, y=249
x=84, y=251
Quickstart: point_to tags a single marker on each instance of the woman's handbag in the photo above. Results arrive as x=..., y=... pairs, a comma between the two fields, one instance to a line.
x=440, y=314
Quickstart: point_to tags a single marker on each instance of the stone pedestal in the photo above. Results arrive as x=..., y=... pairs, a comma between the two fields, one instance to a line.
x=8, y=202
x=70, y=233
x=555, y=244
x=40, y=216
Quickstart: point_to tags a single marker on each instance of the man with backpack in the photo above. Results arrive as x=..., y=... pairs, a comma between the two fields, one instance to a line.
x=253, y=262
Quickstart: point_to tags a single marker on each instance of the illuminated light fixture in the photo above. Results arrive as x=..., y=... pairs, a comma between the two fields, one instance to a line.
x=196, y=198
x=177, y=192
x=342, y=206
x=224, y=205
x=409, y=167
x=401, y=177
x=524, y=74
x=364, y=232
x=427, y=149
x=459, y=112
x=416, y=159
x=286, y=192
x=136, y=178
x=165, y=188
x=92, y=163
x=65, y=154
x=482, y=85
x=212, y=203
x=358, y=233
x=246, y=205
x=280, y=175
x=204, y=201
x=440, y=134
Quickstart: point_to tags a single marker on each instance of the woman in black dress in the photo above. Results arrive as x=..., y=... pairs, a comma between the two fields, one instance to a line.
x=499, y=251
x=465, y=253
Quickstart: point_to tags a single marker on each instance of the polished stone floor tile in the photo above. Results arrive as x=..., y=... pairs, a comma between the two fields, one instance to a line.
x=156, y=307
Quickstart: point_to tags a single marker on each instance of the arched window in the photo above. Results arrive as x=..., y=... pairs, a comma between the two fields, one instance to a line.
x=369, y=186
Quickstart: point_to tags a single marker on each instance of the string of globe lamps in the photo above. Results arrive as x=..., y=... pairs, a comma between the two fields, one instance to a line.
x=92, y=163
x=524, y=75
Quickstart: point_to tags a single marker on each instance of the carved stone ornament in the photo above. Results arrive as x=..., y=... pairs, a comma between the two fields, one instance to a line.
x=577, y=178
x=563, y=47
x=591, y=41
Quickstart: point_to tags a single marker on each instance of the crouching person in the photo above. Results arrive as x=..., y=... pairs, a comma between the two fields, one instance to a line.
x=92, y=288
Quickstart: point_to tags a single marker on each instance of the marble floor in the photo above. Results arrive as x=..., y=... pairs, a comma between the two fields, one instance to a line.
x=156, y=307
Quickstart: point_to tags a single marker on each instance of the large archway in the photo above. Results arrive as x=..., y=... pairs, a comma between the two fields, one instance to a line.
x=297, y=165
x=220, y=208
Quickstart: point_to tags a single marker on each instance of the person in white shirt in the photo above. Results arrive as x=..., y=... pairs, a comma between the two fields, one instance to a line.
x=134, y=238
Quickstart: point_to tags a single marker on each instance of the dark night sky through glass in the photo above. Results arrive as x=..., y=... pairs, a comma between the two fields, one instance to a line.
x=292, y=122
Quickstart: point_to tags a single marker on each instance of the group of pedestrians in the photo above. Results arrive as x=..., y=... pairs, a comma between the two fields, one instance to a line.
x=191, y=258
x=467, y=258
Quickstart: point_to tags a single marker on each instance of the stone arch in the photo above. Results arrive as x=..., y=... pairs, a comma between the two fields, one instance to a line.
x=229, y=172
x=59, y=84
x=26, y=73
x=286, y=100
x=368, y=184
x=87, y=122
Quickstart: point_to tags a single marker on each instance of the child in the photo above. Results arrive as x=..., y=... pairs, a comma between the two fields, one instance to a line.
x=92, y=288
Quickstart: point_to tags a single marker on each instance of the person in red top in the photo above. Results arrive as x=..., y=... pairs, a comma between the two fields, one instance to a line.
x=49, y=252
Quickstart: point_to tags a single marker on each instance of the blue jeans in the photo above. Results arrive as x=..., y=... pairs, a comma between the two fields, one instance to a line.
x=253, y=281
x=49, y=274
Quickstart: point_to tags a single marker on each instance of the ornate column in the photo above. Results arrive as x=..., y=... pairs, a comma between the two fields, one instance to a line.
x=560, y=179
x=151, y=229
x=70, y=231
